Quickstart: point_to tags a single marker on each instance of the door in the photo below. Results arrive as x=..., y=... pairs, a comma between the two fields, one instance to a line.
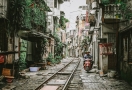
x=112, y=62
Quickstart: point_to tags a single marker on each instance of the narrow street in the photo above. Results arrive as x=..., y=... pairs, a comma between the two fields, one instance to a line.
x=93, y=81
x=65, y=44
x=81, y=79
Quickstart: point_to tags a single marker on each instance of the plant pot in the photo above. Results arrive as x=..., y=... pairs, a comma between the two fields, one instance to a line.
x=48, y=63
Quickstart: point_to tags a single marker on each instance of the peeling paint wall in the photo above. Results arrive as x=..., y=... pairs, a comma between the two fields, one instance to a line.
x=104, y=58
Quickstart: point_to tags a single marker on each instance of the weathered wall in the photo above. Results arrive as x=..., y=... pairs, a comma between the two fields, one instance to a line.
x=125, y=65
x=104, y=58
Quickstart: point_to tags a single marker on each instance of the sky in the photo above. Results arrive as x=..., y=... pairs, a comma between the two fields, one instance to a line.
x=71, y=10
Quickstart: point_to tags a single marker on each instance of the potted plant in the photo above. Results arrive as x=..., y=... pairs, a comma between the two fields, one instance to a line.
x=49, y=59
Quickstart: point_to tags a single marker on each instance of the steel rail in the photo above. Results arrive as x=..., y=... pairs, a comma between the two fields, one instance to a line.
x=69, y=79
x=39, y=87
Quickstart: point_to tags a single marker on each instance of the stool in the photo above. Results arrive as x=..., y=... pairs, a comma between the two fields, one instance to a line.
x=9, y=79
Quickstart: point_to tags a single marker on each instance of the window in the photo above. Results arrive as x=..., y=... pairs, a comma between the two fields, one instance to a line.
x=55, y=3
x=111, y=38
x=3, y=39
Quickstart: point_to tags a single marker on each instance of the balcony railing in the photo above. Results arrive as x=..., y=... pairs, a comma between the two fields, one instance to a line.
x=112, y=11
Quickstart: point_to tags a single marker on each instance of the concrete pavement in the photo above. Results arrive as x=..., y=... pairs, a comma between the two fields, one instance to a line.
x=85, y=81
x=93, y=81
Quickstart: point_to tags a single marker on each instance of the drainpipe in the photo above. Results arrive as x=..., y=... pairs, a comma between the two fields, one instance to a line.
x=101, y=61
x=96, y=52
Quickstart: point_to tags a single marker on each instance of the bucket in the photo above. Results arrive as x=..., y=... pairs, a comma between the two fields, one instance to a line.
x=112, y=74
x=34, y=69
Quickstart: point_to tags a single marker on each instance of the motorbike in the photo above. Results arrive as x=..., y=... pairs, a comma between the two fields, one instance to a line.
x=88, y=63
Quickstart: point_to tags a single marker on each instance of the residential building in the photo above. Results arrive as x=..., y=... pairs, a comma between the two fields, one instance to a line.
x=113, y=23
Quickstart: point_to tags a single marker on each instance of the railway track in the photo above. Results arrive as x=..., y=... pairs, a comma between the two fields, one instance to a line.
x=57, y=77
x=61, y=79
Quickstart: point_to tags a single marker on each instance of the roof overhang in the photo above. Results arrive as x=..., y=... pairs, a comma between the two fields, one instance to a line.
x=32, y=35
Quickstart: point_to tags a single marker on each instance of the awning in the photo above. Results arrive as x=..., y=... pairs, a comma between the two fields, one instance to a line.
x=32, y=36
x=126, y=28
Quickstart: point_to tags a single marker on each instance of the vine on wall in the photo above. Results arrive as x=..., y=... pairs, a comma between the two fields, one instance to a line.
x=58, y=50
x=28, y=14
x=22, y=60
x=63, y=22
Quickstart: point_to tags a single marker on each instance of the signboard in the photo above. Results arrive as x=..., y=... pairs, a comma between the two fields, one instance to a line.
x=106, y=48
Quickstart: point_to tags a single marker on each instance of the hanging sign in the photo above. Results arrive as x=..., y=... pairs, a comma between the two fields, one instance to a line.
x=106, y=48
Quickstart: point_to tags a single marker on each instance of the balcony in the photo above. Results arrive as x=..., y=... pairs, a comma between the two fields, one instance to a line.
x=111, y=11
x=56, y=12
x=72, y=33
x=108, y=1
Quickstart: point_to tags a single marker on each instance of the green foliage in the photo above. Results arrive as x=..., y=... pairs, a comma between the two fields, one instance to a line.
x=57, y=59
x=31, y=14
x=50, y=58
x=125, y=9
x=126, y=12
x=56, y=38
x=66, y=20
x=105, y=1
x=85, y=42
x=59, y=48
x=58, y=45
x=53, y=60
x=22, y=60
x=40, y=49
x=63, y=22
